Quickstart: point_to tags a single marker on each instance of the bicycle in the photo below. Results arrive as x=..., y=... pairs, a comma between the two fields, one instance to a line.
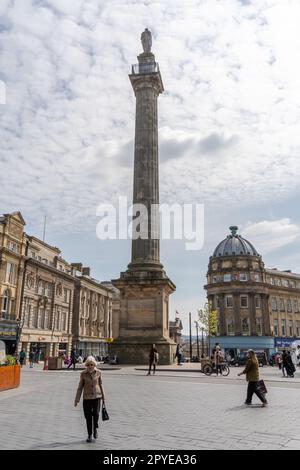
x=222, y=369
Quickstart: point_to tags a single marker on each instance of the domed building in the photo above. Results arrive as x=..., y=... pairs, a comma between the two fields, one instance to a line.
x=257, y=307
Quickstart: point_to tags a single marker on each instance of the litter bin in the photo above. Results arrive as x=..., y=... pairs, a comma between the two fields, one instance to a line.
x=55, y=363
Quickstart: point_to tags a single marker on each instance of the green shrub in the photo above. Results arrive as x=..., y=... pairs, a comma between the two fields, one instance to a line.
x=10, y=361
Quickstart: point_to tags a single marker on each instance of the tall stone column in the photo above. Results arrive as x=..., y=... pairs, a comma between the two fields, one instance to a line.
x=145, y=287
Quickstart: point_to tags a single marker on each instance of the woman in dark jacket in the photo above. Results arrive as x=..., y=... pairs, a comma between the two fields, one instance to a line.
x=153, y=359
x=252, y=376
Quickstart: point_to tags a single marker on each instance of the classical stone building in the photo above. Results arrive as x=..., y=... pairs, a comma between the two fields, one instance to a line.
x=92, y=314
x=145, y=287
x=12, y=256
x=47, y=303
x=257, y=307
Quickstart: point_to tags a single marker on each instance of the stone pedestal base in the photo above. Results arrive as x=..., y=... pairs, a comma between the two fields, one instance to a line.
x=144, y=317
x=137, y=352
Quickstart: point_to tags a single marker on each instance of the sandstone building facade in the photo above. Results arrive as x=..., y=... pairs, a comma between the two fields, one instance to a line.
x=257, y=307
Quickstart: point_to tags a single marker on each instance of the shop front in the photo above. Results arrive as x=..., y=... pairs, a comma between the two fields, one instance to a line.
x=282, y=343
x=98, y=349
x=8, y=334
x=235, y=345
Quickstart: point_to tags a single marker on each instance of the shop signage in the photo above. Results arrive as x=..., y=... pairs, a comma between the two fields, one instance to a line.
x=8, y=332
x=283, y=342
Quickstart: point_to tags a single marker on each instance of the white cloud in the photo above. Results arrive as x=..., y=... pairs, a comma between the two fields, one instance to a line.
x=270, y=235
x=228, y=119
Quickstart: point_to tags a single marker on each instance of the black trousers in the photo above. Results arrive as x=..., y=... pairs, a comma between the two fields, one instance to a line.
x=252, y=388
x=154, y=367
x=91, y=409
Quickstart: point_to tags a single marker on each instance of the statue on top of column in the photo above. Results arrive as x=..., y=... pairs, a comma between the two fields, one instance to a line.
x=146, y=39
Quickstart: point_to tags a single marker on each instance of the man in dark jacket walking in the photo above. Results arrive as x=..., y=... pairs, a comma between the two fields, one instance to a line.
x=73, y=359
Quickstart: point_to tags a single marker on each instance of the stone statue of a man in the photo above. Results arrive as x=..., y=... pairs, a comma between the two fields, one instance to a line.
x=146, y=39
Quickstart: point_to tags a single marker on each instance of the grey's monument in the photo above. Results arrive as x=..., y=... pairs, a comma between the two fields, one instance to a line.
x=145, y=287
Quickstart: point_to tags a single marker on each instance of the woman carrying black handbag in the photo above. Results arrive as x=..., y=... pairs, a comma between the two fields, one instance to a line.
x=91, y=385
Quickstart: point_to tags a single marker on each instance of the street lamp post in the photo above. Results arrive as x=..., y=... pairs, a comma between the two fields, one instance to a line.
x=197, y=327
x=191, y=348
x=202, y=343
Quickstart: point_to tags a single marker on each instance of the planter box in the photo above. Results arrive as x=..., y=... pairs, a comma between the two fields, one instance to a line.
x=9, y=377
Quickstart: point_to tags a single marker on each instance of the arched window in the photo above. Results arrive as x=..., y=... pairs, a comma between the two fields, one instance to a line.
x=5, y=304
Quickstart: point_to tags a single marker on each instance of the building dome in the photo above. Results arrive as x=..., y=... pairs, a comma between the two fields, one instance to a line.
x=235, y=245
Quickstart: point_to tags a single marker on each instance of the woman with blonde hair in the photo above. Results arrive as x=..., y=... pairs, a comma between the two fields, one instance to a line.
x=91, y=385
x=252, y=376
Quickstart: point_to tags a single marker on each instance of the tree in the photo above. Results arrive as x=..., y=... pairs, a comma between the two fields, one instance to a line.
x=209, y=319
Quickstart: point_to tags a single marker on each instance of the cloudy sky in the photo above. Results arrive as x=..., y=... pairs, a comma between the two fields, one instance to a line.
x=228, y=124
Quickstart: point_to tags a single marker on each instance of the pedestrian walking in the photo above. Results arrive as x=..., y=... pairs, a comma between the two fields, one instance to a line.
x=290, y=368
x=178, y=354
x=252, y=376
x=22, y=357
x=31, y=359
x=284, y=364
x=91, y=386
x=73, y=359
x=153, y=359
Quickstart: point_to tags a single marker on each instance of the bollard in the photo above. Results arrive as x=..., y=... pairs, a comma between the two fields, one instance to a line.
x=45, y=363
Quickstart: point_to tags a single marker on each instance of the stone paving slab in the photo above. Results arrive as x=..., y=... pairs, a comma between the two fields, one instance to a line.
x=148, y=412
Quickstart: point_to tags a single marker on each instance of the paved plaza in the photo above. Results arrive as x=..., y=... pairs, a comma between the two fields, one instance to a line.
x=173, y=410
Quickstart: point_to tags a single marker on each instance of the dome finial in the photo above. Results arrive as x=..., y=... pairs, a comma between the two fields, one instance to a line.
x=233, y=229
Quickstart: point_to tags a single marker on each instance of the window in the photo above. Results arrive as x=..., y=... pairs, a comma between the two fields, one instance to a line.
x=281, y=305
x=274, y=303
x=57, y=322
x=295, y=306
x=46, y=320
x=291, y=332
x=10, y=273
x=275, y=327
x=63, y=321
x=278, y=282
x=33, y=255
x=283, y=331
x=27, y=314
x=297, y=328
x=244, y=301
x=230, y=327
x=259, y=326
x=257, y=302
x=292, y=284
x=216, y=279
x=217, y=301
x=245, y=327
x=285, y=283
x=229, y=301
x=243, y=277
x=66, y=295
x=34, y=318
x=12, y=246
x=257, y=277
x=227, y=277
x=289, y=306
x=5, y=305
x=272, y=281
